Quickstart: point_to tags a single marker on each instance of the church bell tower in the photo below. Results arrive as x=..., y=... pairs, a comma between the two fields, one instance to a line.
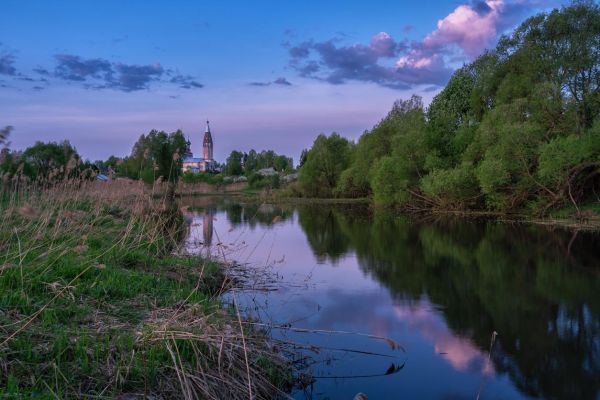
x=208, y=144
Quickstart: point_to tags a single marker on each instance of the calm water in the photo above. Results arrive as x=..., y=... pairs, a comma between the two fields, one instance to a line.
x=440, y=288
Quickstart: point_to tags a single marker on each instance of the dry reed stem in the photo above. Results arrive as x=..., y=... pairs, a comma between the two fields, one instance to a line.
x=237, y=310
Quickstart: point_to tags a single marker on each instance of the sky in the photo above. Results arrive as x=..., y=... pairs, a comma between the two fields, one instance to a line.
x=267, y=74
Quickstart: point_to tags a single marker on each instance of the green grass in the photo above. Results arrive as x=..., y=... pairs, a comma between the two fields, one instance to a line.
x=85, y=291
x=105, y=285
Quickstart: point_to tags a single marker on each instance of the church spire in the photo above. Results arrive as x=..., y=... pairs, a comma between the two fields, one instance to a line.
x=208, y=143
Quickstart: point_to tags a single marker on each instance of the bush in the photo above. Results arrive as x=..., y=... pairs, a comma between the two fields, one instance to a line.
x=202, y=177
x=257, y=181
x=389, y=183
x=352, y=184
x=560, y=155
x=454, y=188
x=492, y=174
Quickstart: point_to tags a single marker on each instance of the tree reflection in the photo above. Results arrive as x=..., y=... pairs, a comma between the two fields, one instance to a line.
x=537, y=288
x=322, y=229
x=249, y=215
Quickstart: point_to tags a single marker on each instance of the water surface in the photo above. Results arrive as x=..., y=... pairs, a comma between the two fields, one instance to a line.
x=439, y=288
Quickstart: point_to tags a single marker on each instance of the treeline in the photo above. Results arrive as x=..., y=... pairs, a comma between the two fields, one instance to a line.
x=517, y=129
x=261, y=170
x=160, y=154
x=241, y=163
x=42, y=163
x=157, y=155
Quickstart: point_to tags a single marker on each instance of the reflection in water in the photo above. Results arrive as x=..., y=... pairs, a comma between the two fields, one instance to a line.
x=207, y=226
x=199, y=241
x=458, y=351
x=441, y=288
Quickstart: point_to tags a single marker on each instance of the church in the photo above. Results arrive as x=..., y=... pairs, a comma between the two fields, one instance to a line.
x=205, y=164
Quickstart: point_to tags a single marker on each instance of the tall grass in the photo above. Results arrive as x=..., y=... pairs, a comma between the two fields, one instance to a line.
x=95, y=303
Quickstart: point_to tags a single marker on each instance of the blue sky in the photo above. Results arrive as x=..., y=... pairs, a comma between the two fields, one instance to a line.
x=268, y=74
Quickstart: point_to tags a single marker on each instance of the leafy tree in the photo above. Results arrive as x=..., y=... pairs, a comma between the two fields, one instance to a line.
x=158, y=155
x=326, y=160
x=233, y=166
x=401, y=135
x=303, y=156
x=50, y=161
x=205, y=177
x=572, y=36
x=283, y=163
x=449, y=111
x=388, y=182
x=250, y=161
x=256, y=181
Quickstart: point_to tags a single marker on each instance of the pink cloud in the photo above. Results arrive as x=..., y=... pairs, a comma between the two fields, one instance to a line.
x=465, y=33
x=471, y=29
x=460, y=36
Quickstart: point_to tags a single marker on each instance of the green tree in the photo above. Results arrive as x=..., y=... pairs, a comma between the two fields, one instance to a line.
x=303, y=156
x=233, y=166
x=283, y=164
x=250, y=161
x=158, y=155
x=572, y=37
x=328, y=157
x=450, y=110
x=50, y=161
x=388, y=182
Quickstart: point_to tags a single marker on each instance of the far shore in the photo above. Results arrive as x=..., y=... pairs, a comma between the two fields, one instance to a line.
x=591, y=223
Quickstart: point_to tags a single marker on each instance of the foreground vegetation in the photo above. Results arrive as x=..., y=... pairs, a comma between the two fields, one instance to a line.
x=517, y=130
x=94, y=303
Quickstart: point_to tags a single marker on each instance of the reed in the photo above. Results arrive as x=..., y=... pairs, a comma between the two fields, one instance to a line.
x=95, y=301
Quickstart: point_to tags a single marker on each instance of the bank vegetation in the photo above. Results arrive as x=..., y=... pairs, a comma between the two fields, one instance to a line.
x=515, y=131
x=95, y=301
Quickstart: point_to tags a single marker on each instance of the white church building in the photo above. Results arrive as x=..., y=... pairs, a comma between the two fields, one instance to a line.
x=206, y=163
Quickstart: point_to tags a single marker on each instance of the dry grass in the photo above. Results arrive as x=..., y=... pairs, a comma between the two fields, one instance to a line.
x=93, y=303
x=229, y=362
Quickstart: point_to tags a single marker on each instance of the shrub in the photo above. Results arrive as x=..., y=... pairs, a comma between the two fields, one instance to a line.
x=454, y=188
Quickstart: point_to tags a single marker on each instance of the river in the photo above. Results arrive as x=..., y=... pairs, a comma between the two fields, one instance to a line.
x=437, y=287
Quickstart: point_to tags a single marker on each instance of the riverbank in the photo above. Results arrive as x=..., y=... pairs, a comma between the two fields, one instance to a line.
x=94, y=303
x=582, y=222
x=202, y=188
x=584, y=218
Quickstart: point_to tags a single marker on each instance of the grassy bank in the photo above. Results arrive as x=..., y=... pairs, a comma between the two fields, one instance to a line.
x=583, y=217
x=93, y=303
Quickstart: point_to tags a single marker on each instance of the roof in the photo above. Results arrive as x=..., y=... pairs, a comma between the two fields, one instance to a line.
x=192, y=160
